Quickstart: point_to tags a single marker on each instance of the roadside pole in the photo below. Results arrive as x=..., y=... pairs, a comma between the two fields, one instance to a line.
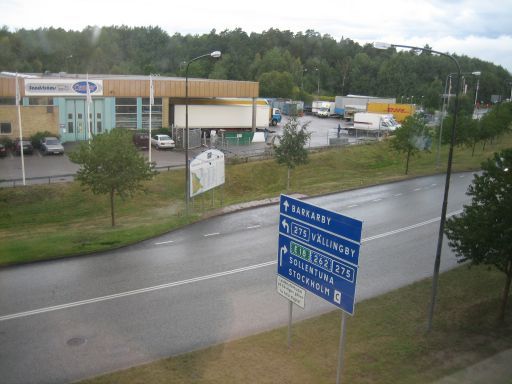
x=290, y=310
x=341, y=347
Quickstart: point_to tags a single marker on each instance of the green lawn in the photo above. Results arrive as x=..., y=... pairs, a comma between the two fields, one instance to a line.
x=58, y=220
x=386, y=341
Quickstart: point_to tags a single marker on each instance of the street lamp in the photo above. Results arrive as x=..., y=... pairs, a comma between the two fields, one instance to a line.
x=302, y=79
x=215, y=55
x=437, y=262
x=446, y=102
x=477, y=73
x=318, y=83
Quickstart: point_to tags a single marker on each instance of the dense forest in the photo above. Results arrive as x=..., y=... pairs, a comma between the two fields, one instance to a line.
x=293, y=65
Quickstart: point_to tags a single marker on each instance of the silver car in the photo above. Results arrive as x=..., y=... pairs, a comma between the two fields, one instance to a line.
x=162, y=142
x=51, y=146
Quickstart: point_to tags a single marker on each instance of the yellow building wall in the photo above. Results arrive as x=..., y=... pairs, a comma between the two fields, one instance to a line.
x=33, y=119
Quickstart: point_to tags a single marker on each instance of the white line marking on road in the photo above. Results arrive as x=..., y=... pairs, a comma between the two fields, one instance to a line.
x=416, y=189
x=193, y=280
x=136, y=291
x=165, y=242
x=462, y=176
x=353, y=206
x=397, y=194
x=212, y=234
x=376, y=200
x=254, y=226
x=417, y=225
x=433, y=185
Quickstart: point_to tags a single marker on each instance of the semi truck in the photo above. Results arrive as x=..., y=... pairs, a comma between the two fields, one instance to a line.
x=230, y=114
x=347, y=106
x=399, y=111
x=375, y=122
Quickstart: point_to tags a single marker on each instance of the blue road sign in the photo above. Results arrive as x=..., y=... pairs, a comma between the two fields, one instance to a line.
x=319, y=251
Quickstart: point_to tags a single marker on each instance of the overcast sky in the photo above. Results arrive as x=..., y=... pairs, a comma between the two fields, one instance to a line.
x=481, y=29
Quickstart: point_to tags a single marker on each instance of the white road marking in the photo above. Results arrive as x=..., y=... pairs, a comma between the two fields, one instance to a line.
x=195, y=279
x=212, y=234
x=433, y=185
x=353, y=206
x=165, y=242
x=376, y=200
x=397, y=194
x=254, y=226
x=417, y=189
x=135, y=292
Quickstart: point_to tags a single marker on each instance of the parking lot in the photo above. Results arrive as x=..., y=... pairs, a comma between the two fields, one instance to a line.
x=49, y=169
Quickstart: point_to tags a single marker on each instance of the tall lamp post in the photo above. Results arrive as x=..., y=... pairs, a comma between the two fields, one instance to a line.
x=215, y=55
x=318, y=82
x=446, y=102
x=437, y=263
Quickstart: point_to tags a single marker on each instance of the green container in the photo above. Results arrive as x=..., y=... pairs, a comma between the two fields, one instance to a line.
x=238, y=137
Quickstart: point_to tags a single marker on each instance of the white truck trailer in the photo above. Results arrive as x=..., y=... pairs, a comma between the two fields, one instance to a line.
x=230, y=114
x=375, y=122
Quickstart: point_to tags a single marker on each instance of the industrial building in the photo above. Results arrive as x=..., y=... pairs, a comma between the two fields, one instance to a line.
x=60, y=103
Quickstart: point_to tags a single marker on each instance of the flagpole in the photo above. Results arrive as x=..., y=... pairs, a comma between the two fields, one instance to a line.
x=21, y=130
x=88, y=102
x=151, y=101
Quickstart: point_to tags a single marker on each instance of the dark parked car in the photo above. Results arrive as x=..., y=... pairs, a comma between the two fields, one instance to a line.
x=28, y=149
x=51, y=146
x=141, y=140
x=3, y=150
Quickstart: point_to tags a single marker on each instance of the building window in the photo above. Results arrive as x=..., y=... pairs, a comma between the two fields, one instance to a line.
x=156, y=113
x=126, y=113
x=40, y=101
x=7, y=101
x=5, y=128
x=98, y=127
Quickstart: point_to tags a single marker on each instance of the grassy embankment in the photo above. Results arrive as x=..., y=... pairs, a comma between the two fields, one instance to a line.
x=386, y=341
x=50, y=221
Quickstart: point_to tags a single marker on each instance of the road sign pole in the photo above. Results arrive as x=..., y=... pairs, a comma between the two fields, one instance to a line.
x=341, y=348
x=290, y=310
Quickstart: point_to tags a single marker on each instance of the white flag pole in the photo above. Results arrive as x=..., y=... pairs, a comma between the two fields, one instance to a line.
x=88, y=102
x=151, y=102
x=18, y=107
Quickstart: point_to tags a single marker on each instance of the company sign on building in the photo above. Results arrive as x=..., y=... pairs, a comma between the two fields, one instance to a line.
x=62, y=87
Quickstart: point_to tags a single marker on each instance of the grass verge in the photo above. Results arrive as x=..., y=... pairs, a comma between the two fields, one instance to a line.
x=51, y=221
x=386, y=341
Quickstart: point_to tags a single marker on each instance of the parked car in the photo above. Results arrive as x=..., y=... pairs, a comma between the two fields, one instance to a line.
x=3, y=150
x=141, y=140
x=51, y=146
x=28, y=149
x=162, y=142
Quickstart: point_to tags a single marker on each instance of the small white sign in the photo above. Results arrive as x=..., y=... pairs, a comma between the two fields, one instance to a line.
x=291, y=291
x=207, y=171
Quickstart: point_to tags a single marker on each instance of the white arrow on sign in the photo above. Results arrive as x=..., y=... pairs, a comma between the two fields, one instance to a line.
x=286, y=205
x=281, y=251
x=285, y=225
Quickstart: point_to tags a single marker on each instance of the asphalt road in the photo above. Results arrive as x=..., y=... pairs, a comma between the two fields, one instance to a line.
x=213, y=281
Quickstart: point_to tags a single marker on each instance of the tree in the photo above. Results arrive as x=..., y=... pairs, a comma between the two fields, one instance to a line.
x=482, y=234
x=291, y=151
x=411, y=138
x=111, y=164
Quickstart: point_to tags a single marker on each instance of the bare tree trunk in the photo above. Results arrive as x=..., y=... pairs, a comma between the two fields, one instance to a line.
x=112, y=207
x=506, y=291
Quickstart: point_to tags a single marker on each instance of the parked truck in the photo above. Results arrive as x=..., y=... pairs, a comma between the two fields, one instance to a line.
x=375, y=122
x=399, y=111
x=229, y=114
x=323, y=108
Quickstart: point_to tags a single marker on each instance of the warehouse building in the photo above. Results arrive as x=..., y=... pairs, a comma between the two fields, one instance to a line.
x=59, y=103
